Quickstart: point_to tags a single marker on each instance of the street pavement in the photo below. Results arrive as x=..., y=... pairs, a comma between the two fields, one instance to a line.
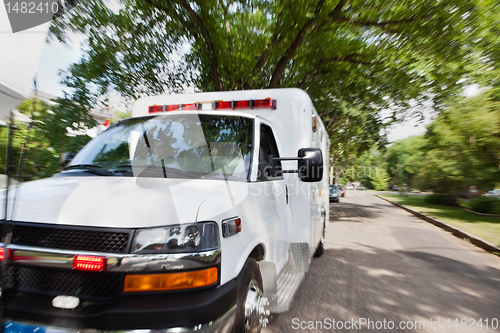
x=406, y=193
x=382, y=263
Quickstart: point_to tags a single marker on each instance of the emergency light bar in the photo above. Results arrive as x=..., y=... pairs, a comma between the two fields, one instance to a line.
x=219, y=105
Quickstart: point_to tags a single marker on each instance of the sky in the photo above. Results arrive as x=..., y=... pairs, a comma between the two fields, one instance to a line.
x=410, y=127
x=413, y=126
x=57, y=57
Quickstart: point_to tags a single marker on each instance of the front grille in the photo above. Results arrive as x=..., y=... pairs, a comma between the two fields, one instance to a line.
x=90, y=285
x=58, y=237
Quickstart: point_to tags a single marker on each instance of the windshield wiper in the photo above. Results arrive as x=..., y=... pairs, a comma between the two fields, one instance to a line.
x=92, y=168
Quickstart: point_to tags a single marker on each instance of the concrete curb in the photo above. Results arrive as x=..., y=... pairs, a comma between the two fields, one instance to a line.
x=485, y=245
x=482, y=214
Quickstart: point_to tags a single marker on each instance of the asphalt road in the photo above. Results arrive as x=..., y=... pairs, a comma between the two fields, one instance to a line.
x=382, y=263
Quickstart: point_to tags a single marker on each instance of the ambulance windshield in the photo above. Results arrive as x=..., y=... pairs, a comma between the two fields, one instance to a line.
x=186, y=146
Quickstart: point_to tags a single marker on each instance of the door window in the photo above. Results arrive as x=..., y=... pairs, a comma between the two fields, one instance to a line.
x=268, y=149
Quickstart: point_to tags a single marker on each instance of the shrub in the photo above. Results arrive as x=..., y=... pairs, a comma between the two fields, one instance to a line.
x=442, y=199
x=485, y=205
x=380, y=180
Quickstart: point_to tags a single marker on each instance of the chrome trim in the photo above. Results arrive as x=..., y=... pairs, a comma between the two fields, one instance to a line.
x=256, y=308
x=223, y=324
x=36, y=256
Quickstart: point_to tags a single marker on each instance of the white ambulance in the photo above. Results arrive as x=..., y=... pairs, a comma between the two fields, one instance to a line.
x=200, y=213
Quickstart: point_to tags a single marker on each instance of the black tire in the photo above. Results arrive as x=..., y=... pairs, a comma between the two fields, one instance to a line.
x=321, y=248
x=249, y=273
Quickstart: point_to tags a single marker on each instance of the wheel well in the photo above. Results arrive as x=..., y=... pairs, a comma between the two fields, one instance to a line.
x=258, y=253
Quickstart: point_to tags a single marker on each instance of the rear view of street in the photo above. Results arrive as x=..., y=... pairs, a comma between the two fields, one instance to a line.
x=385, y=270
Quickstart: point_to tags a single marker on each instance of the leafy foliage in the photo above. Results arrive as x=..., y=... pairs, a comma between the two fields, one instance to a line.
x=487, y=70
x=380, y=180
x=485, y=205
x=441, y=199
x=407, y=157
x=44, y=140
x=354, y=57
x=460, y=150
x=369, y=168
x=463, y=147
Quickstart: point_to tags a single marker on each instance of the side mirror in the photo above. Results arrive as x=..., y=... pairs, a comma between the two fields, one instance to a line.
x=65, y=159
x=310, y=164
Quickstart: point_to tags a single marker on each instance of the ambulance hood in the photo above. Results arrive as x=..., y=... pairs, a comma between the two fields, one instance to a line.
x=116, y=201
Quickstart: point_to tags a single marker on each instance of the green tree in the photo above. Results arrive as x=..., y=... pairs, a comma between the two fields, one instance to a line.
x=51, y=131
x=368, y=167
x=380, y=180
x=487, y=51
x=354, y=57
x=412, y=150
x=463, y=146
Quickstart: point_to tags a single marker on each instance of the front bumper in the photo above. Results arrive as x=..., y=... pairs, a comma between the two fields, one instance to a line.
x=152, y=311
x=223, y=324
x=39, y=274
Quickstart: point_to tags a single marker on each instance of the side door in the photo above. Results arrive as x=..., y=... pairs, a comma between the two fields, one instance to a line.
x=270, y=173
x=319, y=190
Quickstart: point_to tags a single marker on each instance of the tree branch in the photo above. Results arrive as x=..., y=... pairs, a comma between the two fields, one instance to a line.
x=349, y=58
x=157, y=6
x=382, y=24
x=186, y=24
x=280, y=67
x=263, y=57
x=338, y=8
x=208, y=40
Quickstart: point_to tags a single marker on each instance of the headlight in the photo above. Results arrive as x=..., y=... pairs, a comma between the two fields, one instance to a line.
x=178, y=238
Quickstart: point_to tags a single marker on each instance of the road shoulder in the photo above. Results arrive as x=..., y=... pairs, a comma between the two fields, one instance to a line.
x=481, y=243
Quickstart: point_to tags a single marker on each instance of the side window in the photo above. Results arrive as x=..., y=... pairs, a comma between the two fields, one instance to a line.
x=268, y=149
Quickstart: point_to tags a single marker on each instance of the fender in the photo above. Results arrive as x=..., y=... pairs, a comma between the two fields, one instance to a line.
x=246, y=253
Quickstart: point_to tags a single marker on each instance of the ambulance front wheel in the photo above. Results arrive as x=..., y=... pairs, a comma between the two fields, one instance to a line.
x=252, y=307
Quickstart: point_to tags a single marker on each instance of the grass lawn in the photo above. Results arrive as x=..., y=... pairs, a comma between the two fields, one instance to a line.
x=487, y=228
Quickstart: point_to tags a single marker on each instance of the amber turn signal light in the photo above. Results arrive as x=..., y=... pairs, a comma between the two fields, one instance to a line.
x=170, y=281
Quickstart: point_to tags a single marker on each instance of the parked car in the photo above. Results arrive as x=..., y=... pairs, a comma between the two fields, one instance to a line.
x=349, y=186
x=334, y=193
x=341, y=190
x=360, y=187
x=493, y=193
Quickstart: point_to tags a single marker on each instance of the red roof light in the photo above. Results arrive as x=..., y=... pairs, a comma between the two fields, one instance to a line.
x=264, y=104
x=189, y=106
x=242, y=105
x=223, y=105
x=172, y=107
x=155, y=108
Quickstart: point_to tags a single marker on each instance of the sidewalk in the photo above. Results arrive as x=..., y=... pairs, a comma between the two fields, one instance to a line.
x=481, y=243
